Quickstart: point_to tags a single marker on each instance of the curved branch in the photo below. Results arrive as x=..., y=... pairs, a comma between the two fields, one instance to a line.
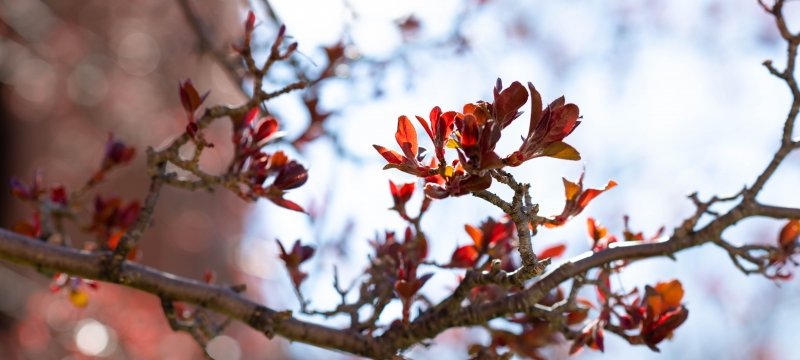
x=440, y=319
x=43, y=256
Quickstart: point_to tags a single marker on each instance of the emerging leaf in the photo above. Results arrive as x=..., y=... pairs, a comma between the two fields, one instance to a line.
x=552, y=252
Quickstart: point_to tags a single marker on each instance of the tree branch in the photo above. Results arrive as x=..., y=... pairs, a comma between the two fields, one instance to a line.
x=224, y=300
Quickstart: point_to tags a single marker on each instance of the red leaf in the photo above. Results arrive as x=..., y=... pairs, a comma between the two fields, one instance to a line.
x=393, y=157
x=596, y=231
x=425, y=126
x=299, y=254
x=190, y=98
x=266, y=130
x=508, y=101
x=402, y=194
x=470, y=133
x=599, y=338
x=664, y=326
x=577, y=316
x=590, y=194
x=553, y=251
x=536, y=108
x=291, y=176
x=406, y=137
x=247, y=119
x=287, y=204
x=249, y=25
x=464, y=257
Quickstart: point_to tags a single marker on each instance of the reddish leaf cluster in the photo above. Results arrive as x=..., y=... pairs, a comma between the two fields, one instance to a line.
x=474, y=133
x=658, y=313
x=592, y=336
x=55, y=199
x=455, y=182
x=293, y=259
x=600, y=238
x=492, y=238
x=599, y=235
x=538, y=333
x=112, y=218
x=398, y=262
x=408, y=284
x=406, y=137
x=116, y=153
x=652, y=317
x=400, y=196
x=577, y=199
x=255, y=166
x=288, y=174
x=788, y=245
x=547, y=129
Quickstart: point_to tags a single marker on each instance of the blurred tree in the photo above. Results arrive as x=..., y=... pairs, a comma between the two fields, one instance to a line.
x=77, y=72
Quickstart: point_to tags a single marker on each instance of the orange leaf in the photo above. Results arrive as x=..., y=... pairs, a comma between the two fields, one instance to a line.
x=671, y=292
x=656, y=304
x=789, y=233
x=476, y=235
x=553, y=251
x=596, y=231
x=393, y=157
x=577, y=316
x=571, y=189
x=590, y=194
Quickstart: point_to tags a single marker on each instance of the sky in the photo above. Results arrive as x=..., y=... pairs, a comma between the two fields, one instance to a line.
x=674, y=100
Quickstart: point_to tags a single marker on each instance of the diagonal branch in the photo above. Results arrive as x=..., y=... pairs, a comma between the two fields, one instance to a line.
x=224, y=300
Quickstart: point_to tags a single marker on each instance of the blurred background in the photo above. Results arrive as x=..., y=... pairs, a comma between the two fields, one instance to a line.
x=673, y=97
